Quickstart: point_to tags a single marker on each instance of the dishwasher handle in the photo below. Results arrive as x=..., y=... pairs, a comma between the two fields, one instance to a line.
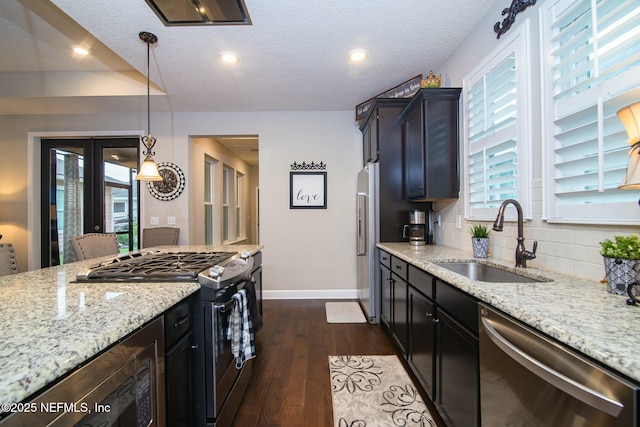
x=560, y=381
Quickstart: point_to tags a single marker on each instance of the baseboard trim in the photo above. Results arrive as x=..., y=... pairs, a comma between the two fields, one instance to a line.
x=311, y=294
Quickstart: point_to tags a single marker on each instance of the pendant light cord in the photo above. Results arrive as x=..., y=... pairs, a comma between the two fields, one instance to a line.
x=149, y=141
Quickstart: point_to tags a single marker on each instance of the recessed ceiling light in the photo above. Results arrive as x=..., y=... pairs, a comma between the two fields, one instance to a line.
x=358, y=55
x=80, y=51
x=229, y=57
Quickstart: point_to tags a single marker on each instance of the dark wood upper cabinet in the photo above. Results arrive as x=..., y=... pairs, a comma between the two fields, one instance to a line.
x=431, y=142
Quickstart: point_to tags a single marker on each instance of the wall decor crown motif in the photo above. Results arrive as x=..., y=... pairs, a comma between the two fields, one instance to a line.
x=295, y=166
x=516, y=7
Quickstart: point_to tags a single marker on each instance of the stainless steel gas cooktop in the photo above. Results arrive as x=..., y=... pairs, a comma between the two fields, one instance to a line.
x=207, y=268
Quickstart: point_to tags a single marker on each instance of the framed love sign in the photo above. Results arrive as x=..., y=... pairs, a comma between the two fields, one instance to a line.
x=308, y=190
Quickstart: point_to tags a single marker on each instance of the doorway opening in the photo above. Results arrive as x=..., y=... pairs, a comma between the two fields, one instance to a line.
x=226, y=180
x=87, y=186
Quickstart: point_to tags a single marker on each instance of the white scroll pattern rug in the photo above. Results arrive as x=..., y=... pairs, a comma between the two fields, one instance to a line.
x=370, y=391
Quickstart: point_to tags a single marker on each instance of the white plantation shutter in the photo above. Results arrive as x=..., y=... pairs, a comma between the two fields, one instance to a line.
x=590, y=71
x=496, y=127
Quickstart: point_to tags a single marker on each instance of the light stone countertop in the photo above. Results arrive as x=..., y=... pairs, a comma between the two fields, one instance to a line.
x=49, y=324
x=577, y=312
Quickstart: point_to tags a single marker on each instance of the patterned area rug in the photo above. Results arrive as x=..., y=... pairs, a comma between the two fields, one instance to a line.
x=370, y=391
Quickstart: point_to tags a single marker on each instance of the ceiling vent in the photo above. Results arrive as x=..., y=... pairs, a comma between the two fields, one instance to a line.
x=201, y=12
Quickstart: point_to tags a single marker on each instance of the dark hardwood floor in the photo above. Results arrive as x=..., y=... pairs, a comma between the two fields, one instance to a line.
x=291, y=384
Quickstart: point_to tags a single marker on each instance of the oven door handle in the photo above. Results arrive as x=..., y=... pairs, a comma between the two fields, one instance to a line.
x=223, y=308
x=555, y=378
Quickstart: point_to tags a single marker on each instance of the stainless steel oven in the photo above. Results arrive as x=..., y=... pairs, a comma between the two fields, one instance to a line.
x=225, y=384
x=528, y=380
x=221, y=275
x=122, y=387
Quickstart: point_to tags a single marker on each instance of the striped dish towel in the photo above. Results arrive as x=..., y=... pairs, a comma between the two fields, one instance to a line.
x=240, y=330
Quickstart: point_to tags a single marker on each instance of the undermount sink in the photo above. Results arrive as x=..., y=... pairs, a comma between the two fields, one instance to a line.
x=487, y=273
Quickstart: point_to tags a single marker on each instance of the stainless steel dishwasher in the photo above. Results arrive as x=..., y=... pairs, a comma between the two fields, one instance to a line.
x=528, y=380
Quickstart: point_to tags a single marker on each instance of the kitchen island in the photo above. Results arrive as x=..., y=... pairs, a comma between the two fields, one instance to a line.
x=51, y=324
x=577, y=312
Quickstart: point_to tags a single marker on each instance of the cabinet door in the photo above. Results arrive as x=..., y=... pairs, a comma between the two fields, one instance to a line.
x=441, y=179
x=414, y=154
x=422, y=339
x=366, y=145
x=370, y=140
x=385, y=297
x=458, y=370
x=399, y=327
x=179, y=374
x=256, y=275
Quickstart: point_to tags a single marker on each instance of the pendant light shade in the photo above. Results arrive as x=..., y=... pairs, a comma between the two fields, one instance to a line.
x=148, y=169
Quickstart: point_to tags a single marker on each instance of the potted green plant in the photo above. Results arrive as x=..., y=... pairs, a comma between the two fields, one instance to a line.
x=621, y=266
x=480, y=240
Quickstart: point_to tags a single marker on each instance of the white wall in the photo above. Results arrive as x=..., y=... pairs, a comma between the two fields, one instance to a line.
x=307, y=252
x=571, y=249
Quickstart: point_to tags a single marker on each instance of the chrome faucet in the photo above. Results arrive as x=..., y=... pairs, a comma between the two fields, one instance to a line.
x=522, y=254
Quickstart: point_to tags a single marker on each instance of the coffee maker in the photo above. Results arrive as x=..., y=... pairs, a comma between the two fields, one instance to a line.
x=416, y=231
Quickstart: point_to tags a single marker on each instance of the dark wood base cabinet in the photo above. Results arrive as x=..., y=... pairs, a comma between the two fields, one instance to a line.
x=458, y=372
x=385, y=301
x=422, y=335
x=435, y=326
x=182, y=357
x=179, y=383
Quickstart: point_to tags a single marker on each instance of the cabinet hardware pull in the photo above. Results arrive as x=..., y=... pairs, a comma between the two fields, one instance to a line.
x=194, y=347
x=181, y=321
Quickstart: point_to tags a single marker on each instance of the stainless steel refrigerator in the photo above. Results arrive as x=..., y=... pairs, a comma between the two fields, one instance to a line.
x=368, y=209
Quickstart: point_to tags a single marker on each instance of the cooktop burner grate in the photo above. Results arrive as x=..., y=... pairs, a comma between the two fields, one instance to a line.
x=182, y=266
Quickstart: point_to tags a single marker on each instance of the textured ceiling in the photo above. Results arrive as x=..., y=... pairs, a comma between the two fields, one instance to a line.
x=294, y=56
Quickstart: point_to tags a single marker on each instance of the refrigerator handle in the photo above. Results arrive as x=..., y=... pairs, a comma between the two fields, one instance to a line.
x=362, y=224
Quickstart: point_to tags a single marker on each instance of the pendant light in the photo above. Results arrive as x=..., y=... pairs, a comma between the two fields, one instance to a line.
x=630, y=118
x=148, y=169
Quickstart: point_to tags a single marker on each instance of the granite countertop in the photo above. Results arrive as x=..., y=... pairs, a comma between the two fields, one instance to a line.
x=49, y=324
x=577, y=312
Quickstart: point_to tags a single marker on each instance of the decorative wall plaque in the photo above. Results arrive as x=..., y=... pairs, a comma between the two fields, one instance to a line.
x=172, y=183
x=308, y=190
x=516, y=7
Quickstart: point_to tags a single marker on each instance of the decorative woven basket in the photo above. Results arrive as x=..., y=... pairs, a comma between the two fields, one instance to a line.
x=620, y=273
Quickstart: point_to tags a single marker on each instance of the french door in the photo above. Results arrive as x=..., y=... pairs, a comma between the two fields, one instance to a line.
x=88, y=186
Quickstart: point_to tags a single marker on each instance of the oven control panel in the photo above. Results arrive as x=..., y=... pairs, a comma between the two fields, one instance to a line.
x=229, y=272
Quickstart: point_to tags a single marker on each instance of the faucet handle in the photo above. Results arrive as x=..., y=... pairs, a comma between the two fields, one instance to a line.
x=532, y=253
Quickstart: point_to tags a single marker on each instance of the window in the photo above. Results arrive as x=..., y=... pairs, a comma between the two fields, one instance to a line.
x=208, y=200
x=224, y=204
x=240, y=224
x=497, y=128
x=227, y=193
x=591, y=69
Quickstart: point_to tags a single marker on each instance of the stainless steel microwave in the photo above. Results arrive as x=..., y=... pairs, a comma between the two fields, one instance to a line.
x=124, y=386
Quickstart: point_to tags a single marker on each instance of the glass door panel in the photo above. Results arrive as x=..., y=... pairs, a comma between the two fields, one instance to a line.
x=65, y=202
x=88, y=186
x=120, y=201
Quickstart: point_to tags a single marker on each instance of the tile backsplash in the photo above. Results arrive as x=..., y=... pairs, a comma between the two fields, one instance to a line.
x=567, y=248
